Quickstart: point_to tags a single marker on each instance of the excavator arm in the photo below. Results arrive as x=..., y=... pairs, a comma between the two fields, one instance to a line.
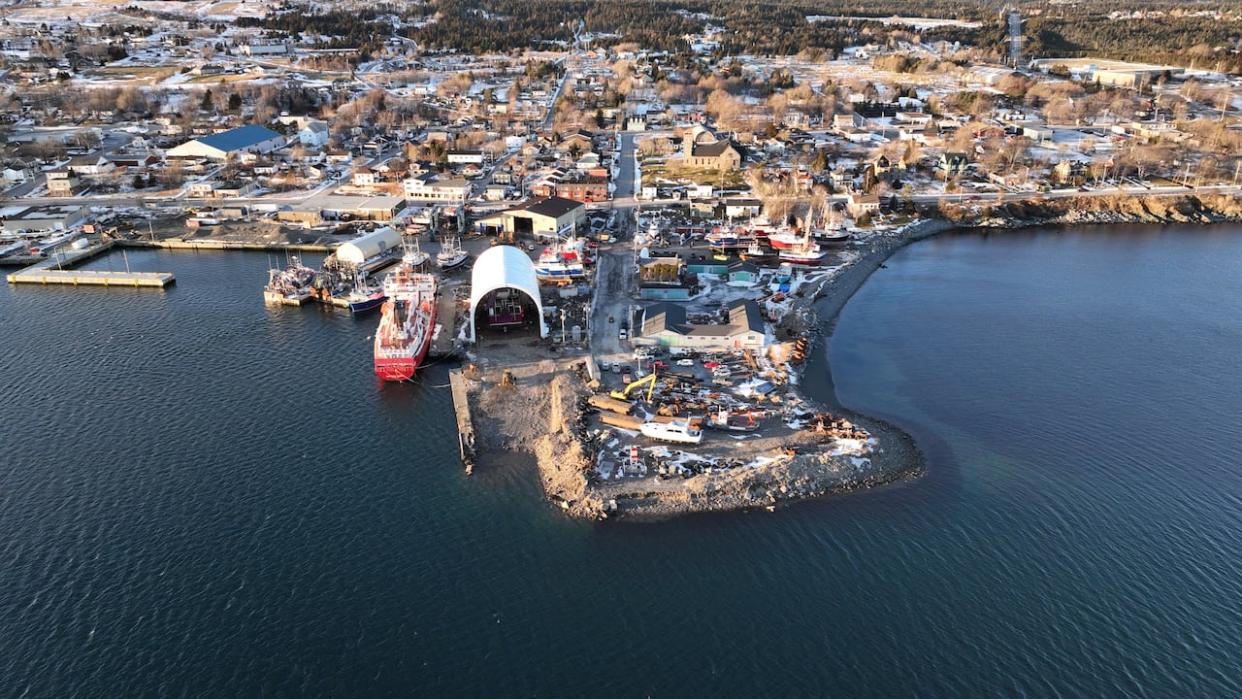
x=624, y=394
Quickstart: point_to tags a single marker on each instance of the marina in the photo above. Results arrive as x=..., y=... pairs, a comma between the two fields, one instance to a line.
x=387, y=522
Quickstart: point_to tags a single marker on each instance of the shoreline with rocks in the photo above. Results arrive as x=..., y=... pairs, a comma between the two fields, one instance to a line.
x=551, y=423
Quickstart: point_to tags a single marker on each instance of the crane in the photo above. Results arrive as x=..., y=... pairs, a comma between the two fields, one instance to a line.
x=624, y=394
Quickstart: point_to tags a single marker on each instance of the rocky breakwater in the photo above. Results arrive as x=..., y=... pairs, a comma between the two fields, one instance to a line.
x=1154, y=208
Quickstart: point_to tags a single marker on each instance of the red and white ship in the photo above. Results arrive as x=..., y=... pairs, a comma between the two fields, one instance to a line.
x=407, y=323
x=784, y=239
x=804, y=252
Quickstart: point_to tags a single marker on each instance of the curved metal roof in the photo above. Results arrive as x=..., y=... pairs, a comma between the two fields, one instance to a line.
x=364, y=247
x=501, y=267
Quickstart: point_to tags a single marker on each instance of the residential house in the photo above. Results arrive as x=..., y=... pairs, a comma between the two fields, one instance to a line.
x=953, y=164
x=314, y=134
x=860, y=205
x=847, y=122
x=1070, y=173
x=61, y=183
x=364, y=177
x=580, y=140
x=90, y=165
x=743, y=273
x=584, y=188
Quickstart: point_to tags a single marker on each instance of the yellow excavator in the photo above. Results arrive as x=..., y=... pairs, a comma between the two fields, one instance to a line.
x=625, y=393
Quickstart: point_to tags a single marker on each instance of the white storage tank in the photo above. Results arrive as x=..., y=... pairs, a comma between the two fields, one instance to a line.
x=370, y=245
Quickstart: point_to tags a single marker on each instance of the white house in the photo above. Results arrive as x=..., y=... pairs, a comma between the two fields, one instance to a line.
x=90, y=165
x=314, y=134
x=15, y=175
x=364, y=177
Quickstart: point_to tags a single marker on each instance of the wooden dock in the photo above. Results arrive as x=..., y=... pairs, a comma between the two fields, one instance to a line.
x=57, y=270
x=444, y=344
x=465, y=428
x=69, y=277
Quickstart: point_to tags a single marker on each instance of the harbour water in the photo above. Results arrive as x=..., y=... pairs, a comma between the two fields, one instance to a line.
x=203, y=496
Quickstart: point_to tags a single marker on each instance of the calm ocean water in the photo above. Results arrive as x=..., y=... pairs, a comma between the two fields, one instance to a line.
x=201, y=496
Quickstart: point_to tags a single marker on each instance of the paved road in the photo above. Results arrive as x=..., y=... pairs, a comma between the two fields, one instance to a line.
x=626, y=185
x=613, y=284
x=560, y=88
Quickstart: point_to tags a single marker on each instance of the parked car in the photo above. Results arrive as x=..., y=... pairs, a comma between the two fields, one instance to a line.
x=710, y=365
x=623, y=334
x=685, y=362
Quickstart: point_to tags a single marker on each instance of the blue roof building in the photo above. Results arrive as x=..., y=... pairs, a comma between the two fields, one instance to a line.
x=219, y=146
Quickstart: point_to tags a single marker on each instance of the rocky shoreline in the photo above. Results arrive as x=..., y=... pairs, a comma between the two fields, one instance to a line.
x=564, y=462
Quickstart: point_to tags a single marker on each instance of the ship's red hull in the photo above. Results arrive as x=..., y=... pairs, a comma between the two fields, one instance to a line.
x=401, y=369
x=402, y=364
x=783, y=242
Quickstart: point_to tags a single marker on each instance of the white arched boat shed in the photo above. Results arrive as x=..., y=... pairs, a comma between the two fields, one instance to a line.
x=368, y=246
x=504, y=267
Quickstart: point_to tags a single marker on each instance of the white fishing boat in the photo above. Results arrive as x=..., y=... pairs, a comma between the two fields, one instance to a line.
x=451, y=255
x=563, y=260
x=414, y=257
x=833, y=229
x=679, y=431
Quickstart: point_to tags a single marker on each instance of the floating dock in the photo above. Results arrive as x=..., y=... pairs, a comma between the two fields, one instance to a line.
x=465, y=428
x=52, y=271
x=68, y=277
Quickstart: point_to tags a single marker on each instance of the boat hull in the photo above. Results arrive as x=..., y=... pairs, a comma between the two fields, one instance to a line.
x=454, y=263
x=395, y=369
x=807, y=261
x=783, y=243
x=660, y=433
x=366, y=305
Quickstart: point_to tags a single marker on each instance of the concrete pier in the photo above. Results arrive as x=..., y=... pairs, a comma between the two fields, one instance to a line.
x=465, y=428
x=209, y=244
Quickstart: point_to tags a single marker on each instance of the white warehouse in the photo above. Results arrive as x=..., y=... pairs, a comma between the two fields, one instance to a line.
x=219, y=146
